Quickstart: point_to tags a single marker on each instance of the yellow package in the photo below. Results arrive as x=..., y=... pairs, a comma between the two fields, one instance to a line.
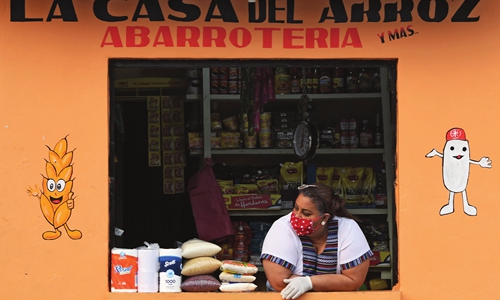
x=247, y=189
x=268, y=186
x=291, y=174
x=227, y=189
x=352, y=184
x=367, y=194
x=324, y=175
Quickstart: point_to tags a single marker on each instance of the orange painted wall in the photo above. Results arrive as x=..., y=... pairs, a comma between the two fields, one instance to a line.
x=53, y=78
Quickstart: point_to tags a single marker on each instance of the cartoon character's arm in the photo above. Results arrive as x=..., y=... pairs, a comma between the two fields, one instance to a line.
x=34, y=192
x=433, y=153
x=484, y=162
x=71, y=201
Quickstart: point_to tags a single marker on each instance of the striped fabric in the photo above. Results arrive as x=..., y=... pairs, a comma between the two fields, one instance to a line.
x=326, y=262
x=278, y=261
x=358, y=261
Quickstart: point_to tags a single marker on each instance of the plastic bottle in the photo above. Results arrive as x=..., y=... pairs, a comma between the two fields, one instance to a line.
x=240, y=251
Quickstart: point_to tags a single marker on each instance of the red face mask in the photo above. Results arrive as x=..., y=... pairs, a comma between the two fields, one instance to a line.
x=303, y=226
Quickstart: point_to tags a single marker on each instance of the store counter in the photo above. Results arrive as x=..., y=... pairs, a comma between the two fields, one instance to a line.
x=359, y=295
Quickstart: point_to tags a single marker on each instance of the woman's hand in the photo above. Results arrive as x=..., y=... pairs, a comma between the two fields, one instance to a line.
x=296, y=287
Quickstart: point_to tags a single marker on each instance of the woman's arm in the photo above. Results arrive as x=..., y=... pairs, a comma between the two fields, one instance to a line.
x=275, y=274
x=349, y=280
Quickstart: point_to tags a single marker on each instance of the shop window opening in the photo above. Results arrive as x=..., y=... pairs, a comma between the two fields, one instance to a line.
x=166, y=116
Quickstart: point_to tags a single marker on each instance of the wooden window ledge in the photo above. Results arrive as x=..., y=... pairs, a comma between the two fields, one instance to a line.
x=359, y=295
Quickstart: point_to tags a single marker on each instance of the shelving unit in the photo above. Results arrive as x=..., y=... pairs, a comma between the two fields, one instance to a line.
x=385, y=154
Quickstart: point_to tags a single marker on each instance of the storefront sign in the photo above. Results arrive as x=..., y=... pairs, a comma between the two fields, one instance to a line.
x=252, y=29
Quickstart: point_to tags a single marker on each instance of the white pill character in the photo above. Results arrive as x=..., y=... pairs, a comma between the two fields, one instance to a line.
x=456, y=165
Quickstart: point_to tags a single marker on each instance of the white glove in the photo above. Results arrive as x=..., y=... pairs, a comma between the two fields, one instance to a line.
x=296, y=287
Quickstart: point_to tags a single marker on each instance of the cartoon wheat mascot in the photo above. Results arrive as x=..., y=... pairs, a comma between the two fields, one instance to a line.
x=56, y=197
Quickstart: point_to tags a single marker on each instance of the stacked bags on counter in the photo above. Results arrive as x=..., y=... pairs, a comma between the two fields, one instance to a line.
x=151, y=269
x=237, y=276
x=146, y=269
x=199, y=265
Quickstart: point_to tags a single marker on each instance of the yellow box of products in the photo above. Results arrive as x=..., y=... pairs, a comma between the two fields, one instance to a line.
x=252, y=201
x=230, y=140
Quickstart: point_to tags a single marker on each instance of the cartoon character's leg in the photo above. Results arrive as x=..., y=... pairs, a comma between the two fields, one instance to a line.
x=74, y=234
x=468, y=209
x=448, y=208
x=51, y=235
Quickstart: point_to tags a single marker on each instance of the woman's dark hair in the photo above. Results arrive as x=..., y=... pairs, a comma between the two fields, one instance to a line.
x=326, y=200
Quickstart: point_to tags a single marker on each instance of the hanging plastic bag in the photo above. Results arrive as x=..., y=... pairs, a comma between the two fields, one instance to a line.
x=209, y=209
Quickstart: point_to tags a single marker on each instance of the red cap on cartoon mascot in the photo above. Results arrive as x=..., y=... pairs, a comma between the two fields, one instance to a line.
x=455, y=134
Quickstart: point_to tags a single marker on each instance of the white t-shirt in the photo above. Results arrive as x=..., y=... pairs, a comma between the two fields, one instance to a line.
x=282, y=242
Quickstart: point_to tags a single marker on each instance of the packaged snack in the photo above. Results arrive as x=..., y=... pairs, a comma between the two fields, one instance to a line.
x=352, y=184
x=200, y=283
x=237, y=287
x=231, y=277
x=238, y=267
x=291, y=174
x=325, y=175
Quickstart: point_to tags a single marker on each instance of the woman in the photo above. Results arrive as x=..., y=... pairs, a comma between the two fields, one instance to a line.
x=318, y=246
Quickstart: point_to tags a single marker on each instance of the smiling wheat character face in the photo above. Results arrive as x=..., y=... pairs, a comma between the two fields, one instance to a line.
x=56, y=196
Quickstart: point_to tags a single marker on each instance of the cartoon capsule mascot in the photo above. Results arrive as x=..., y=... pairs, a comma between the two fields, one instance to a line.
x=56, y=197
x=456, y=165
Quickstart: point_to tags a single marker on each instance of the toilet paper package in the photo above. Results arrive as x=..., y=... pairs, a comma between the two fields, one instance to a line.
x=170, y=270
x=124, y=270
x=147, y=282
x=148, y=260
